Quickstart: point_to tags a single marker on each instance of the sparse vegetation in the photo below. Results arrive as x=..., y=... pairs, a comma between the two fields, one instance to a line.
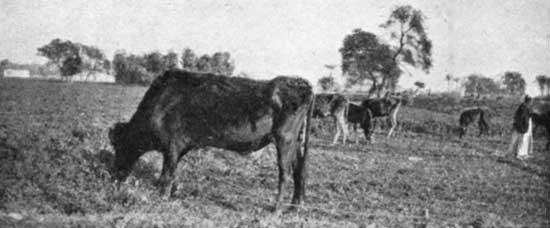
x=55, y=158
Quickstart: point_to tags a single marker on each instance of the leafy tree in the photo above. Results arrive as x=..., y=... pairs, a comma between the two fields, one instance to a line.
x=203, y=64
x=542, y=82
x=480, y=85
x=154, y=62
x=365, y=58
x=107, y=65
x=71, y=65
x=188, y=60
x=129, y=69
x=171, y=60
x=221, y=63
x=514, y=83
x=406, y=27
x=72, y=58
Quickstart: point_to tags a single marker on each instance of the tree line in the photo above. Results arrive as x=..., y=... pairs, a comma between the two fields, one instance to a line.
x=143, y=69
x=70, y=58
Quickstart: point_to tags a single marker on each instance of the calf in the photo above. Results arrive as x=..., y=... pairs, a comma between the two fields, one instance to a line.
x=387, y=106
x=357, y=115
x=183, y=110
x=333, y=105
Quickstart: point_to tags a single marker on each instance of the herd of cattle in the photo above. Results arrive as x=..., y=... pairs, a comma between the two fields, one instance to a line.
x=182, y=111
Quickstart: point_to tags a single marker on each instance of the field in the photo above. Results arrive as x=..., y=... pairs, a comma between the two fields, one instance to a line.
x=55, y=156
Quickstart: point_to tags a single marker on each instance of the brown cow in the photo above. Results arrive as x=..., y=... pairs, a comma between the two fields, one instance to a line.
x=470, y=115
x=185, y=110
x=334, y=105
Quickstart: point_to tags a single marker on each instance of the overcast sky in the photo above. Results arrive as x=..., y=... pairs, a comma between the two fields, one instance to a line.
x=268, y=38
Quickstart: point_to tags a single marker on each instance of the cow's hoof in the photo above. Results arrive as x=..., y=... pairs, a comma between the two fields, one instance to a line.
x=167, y=192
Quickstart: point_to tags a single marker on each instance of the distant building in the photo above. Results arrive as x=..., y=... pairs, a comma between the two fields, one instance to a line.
x=15, y=73
x=87, y=76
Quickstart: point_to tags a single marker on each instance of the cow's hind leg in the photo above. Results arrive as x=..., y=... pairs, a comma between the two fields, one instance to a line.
x=169, y=165
x=393, y=123
x=483, y=127
x=283, y=162
x=368, y=125
x=341, y=122
x=299, y=171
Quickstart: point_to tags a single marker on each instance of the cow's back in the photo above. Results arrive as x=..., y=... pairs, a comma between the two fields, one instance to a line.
x=219, y=110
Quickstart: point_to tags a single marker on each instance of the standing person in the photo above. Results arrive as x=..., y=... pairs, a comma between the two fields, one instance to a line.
x=522, y=141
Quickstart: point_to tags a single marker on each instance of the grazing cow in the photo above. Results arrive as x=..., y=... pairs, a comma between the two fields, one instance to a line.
x=358, y=115
x=540, y=115
x=333, y=105
x=470, y=115
x=185, y=110
x=387, y=106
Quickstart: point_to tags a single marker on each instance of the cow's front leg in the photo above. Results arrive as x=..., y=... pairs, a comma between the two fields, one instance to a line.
x=170, y=163
x=300, y=175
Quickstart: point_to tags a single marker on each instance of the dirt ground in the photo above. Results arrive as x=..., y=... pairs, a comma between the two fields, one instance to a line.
x=55, y=157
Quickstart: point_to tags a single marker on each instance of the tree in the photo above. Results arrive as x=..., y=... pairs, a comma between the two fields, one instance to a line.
x=406, y=27
x=327, y=83
x=365, y=58
x=203, y=64
x=477, y=84
x=129, y=69
x=221, y=63
x=154, y=62
x=542, y=82
x=171, y=60
x=71, y=65
x=91, y=60
x=514, y=83
x=188, y=60
x=107, y=65
x=72, y=58
x=61, y=52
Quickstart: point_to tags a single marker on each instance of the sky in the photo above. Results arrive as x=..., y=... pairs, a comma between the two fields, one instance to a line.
x=288, y=37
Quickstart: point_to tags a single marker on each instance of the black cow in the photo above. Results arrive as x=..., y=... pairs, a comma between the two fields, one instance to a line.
x=185, y=110
x=386, y=106
x=333, y=105
x=540, y=115
x=470, y=115
x=357, y=115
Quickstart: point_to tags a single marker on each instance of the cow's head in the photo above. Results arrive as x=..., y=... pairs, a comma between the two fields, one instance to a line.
x=321, y=107
x=123, y=152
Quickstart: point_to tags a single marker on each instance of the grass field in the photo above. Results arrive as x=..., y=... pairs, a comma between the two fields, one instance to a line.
x=55, y=156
